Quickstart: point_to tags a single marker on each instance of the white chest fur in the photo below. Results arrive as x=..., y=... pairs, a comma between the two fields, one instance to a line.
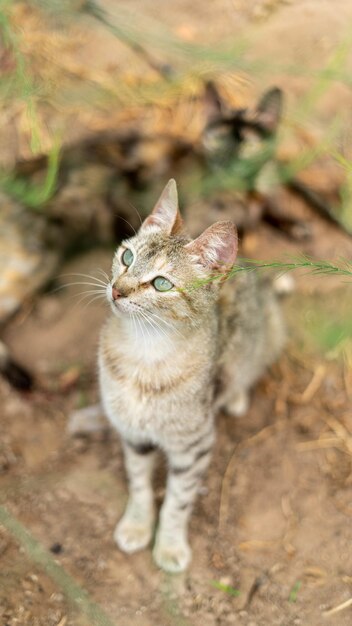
x=153, y=385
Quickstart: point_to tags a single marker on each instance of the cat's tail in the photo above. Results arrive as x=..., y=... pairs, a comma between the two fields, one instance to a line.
x=16, y=374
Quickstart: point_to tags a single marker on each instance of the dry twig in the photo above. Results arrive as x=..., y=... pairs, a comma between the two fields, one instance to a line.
x=337, y=609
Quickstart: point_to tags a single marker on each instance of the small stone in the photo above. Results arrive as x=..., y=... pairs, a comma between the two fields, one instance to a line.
x=56, y=548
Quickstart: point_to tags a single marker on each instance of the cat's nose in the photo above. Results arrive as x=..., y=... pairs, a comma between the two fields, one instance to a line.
x=116, y=293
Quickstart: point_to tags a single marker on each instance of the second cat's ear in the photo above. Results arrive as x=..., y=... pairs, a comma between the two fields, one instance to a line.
x=269, y=110
x=165, y=215
x=213, y=104
x=216, y=248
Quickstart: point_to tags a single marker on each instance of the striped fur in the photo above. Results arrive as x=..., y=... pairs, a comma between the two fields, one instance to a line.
x=168, y=360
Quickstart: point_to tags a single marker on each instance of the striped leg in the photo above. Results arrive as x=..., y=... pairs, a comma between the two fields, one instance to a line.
x=171, y=551
x=135, y=529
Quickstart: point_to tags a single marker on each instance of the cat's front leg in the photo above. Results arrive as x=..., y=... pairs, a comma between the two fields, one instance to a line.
x=135, y=529
x=186, y=468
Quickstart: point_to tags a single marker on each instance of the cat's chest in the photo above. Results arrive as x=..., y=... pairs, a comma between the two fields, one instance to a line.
x=141, y=379
x=150, y=392
x=146, y=379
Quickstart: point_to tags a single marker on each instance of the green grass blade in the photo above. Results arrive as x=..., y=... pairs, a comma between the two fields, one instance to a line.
x=39, y=555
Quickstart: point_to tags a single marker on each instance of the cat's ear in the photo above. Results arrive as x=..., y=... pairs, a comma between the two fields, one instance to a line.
x=165, y=215
x=269, y=110
x=216, y=248
x=213, y=103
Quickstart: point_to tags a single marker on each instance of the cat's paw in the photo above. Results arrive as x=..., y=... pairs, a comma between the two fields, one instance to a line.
x=173, y=558
x=239, y=404
x=131, y=535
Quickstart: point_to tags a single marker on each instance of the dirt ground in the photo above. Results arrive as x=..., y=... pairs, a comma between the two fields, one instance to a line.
x=271, y=532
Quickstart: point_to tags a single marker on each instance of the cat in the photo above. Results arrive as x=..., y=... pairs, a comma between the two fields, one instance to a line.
x=182, y=343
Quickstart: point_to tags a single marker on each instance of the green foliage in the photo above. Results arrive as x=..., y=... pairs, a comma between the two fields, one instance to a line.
x=294, y=591
x=231, y=591
x=74, y=593
x=329, y=327
x=343, y=268
x=346, y=190
x=19, y=84
x=34, y=195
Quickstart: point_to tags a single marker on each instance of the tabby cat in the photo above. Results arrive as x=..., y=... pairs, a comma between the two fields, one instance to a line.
x=182, y=343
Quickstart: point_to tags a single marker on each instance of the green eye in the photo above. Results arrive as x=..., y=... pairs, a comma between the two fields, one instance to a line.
x=127, y=257
x=162, y=284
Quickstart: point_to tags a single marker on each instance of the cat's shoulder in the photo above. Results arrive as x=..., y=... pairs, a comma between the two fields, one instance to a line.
x=244, y=292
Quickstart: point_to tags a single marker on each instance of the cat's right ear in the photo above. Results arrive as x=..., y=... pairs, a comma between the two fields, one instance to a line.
x=165, y=215
x=269, y=110
x=216, y=248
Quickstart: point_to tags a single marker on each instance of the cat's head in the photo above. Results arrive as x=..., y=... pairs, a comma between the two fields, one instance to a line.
x=239, y=133
x=161, y=274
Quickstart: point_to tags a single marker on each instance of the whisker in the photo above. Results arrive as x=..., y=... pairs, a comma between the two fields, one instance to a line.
x=90, y=291
x=165, y=322
x=90, y=301
x=99, y=280
x=66, y=285
x=87, y=295
x=103, y=273
x=128, y=223
x=147, y=327
x=134, y=325
x=136, y=210
x=156, y=326
x=84, y=297
x=141, y=328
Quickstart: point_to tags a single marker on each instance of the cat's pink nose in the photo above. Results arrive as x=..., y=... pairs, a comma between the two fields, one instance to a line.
x=116, y=293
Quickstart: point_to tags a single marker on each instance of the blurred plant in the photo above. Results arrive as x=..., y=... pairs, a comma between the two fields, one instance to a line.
x=31, y=194
x=231, y=591
x=294, y=591
x=17, y=83
x=330, y=329
x=312, y=266
x=346, y=190
x=304, y=262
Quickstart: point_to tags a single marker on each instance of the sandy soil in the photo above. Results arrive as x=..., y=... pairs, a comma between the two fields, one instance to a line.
x=273, y=520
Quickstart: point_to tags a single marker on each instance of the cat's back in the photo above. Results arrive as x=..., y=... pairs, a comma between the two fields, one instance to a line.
x=251, y=328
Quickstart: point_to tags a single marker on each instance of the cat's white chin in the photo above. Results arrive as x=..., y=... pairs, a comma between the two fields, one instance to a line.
x=123, y=307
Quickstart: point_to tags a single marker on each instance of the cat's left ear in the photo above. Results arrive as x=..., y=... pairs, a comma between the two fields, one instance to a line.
x=165, y=215
x=216, y=248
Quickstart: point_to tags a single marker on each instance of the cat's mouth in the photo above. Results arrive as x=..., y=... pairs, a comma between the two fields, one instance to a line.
x=121, y=304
